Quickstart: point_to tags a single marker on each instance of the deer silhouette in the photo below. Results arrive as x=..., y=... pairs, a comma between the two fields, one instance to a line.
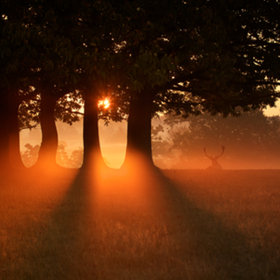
x=214, y=159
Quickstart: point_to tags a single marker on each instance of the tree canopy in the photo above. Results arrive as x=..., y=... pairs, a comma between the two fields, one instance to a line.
x=159, y=56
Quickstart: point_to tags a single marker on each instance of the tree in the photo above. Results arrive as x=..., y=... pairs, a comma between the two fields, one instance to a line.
x=54, y=75
x=146, y=62
x=218, y=58
x=35, y=61
x=98, y=30
x=15, y=53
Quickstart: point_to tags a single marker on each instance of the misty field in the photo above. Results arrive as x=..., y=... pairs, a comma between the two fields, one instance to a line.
x=140, y=224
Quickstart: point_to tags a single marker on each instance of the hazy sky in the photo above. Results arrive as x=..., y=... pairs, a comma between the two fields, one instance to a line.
x=273, y=111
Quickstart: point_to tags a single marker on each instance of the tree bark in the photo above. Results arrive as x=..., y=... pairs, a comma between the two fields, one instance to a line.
x=49, y=144
x=139, y=126
x=9, y=127
x=90, y=130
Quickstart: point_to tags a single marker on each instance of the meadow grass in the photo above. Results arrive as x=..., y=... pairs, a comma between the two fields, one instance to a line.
x=176, y=224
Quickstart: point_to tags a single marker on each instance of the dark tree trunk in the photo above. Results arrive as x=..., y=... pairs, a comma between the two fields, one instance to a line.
x=9, y=127
x=5, y=135
x=48, y=149
x=92, y=150
x=14, y=150
x=139, y=126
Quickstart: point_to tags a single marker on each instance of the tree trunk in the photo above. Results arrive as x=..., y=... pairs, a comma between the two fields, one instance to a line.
x=9, y=126
x=48, y=149
x=5, y=135
x=139, y=126
x=92, y=150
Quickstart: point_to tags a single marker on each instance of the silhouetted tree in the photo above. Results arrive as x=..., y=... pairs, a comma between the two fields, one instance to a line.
x=15, y=53
x=218, y=58
x=98, y=29
x=36, y=58
x=55, y=73
x=145, y=63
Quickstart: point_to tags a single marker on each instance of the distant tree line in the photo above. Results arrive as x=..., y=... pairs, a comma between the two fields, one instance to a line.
x=186, y=57
x=73, y=160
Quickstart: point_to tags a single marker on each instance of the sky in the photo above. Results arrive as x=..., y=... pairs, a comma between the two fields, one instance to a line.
x=273, y=111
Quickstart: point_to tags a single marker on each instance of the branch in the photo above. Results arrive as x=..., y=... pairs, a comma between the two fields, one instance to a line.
x=179, y=88
x=268, y=83
x=73, y=112
x=30, y=96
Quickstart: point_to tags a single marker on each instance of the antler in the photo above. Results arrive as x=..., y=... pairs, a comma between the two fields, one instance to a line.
x=204, y=149
x=214, y=157
x=223, y=150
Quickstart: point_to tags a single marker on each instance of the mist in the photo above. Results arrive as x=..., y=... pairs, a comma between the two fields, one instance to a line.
x=250, y=140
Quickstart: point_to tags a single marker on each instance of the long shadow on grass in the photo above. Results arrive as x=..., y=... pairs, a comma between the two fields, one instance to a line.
x=62, y=249
x=198, y=245
x=220, y=252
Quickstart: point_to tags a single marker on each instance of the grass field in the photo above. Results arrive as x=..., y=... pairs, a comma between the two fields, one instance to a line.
x=140, y=224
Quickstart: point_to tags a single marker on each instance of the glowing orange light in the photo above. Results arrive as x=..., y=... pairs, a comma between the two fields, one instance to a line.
x=104, y=103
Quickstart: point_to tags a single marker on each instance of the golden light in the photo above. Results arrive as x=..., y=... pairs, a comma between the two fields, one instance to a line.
x=104, y=103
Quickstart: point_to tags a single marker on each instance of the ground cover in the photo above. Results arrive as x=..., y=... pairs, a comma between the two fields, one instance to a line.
x=140, y=224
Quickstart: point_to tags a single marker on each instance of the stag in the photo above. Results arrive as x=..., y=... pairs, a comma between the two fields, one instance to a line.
x=214, y=159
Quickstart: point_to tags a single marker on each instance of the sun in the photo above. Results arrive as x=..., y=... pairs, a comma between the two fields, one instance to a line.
x=104, y=103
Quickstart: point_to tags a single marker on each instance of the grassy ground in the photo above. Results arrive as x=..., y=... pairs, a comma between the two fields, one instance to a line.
x=139, y=224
